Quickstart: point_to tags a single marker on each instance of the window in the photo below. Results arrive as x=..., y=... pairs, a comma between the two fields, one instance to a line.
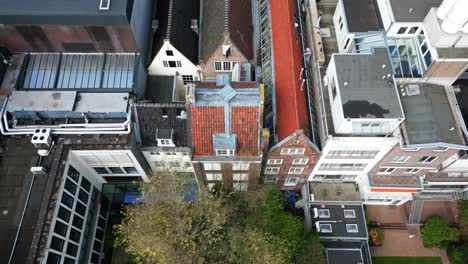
x=187, y=79
x=77, y=222
x=351, y=228
x=101, y=170
x=240, y=166
x=212, y=166
x=95, y=258
x=166, y=64
x=70, y=186
x=73, y=173
x=402, y=30
x=72, y=249
x=349, y=213
x=343, y=166
x=164, y=142
x=271, y=179
x=97, y=246
x=74, y=235
x=274, y=161
x=427, y=159
x=240, y=186
x=224, y=65
x=169, y=53
x=296, y=170
x=160, y=163
x=300, y=161
x=60, y=228
x=412, y=170
x=440, y=149
x=57, y=243
x=340, y=22
x=293, y=151
x=67, y=200
x=324, y=213
x=179, y=64
x=218, y=66
x=214, y=177
x=386, y=170
x=240, y=176
x=85, y=184
x=325, y=228
x=272, y=170
x=99, y=234
x=80, y=208
x=116, y=170
x=224, y=152
x=172, y=64
x=53, y=258
x=413, y=30
x=83, y=196
x=130, y=170
x=400, y=159
x=64, y=214
x=352, y=153
x=411, y=149
x=68, y=261
x=291, y=181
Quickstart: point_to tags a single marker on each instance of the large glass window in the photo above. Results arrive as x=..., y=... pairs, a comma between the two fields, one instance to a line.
x=41, y=71
x=57, y=243
x=403, y=53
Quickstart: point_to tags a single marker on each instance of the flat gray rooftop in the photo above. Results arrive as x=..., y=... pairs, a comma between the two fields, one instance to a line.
x=347, y=252
x=334, y=191
x=66, y=12
x=362, y=15
x=412, y=10
x=365, y=92
x=453, y=53
x=429, y=116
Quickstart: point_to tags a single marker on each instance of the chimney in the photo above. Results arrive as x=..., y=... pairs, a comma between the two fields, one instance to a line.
x=194, y=25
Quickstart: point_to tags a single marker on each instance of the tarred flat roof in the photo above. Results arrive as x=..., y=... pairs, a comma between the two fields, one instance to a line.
x=291, y=108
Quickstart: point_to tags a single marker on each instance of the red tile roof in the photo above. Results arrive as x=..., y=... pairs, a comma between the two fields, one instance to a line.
x=209, y=120
x=206, y=121
x=245, y=124
x=291, y=108
x=235, y=85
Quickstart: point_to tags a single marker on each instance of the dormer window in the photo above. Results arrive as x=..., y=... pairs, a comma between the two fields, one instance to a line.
x=164, y=137
x=224, y=144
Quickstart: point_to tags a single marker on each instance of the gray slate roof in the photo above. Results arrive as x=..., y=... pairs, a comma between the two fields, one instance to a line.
x=216, y=20
x=150, y=118
x=366, y=94
x=174, y=25
x=65, y=12
x=429, y=117
x=362, y=15
x=412, y=10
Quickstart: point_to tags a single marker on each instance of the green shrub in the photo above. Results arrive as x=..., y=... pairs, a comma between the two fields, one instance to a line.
x=458, y=253
x=437, y=232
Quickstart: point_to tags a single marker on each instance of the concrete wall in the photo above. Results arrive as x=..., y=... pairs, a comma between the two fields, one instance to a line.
x=140, y=24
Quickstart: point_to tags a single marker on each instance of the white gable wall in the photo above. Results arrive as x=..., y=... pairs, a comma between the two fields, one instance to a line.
x=187, y=67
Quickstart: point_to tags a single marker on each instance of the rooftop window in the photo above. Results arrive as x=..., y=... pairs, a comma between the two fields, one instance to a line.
x=325, y=228
x=324, y=213
x=352, y=228
x=349, y=213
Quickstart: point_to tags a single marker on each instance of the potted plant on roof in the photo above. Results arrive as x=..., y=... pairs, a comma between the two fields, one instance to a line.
x=376, y=237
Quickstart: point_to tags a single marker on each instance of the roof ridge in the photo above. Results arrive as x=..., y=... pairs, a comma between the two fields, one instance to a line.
x=226, y=15
x=169, y=19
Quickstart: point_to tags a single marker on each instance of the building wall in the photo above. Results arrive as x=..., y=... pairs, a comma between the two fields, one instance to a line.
x=341, y=34
x=167, y=159
x=227, y=171
x=412, y=162
x=157, y=65
x=208, y=68
x=287, y=162
x=50, y=38
x=140, y=24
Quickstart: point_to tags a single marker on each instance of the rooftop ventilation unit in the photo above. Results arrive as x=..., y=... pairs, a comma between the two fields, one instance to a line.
x=38, y=170
x=194, y=25
x=412, y=89
x=41, y=137
x=104, y=4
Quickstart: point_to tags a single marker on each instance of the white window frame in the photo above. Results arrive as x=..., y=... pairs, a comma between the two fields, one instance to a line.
x=188, y=79
x=275, y=161
x=325, y=231
x=300, y=161
x=427, y=158
x=240, y=177
x=388, y=170
x=270, y=180
x=352, y=215
x=349, y=226
x=412, y=170
x=241, y=186
x=326, y=211
x=295, y=170
x=288, y=182
x=223, y=66
x=240, y=166
x=225, y=152
x=272, y=170
x=445, y=149
x=399, y=161
x=165, y=142
x=292, y=151
x=214, y=177
x=212, y=166
x=220, y=64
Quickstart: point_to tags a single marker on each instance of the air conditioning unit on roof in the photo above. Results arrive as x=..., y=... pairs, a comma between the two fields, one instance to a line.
x=41, y=137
